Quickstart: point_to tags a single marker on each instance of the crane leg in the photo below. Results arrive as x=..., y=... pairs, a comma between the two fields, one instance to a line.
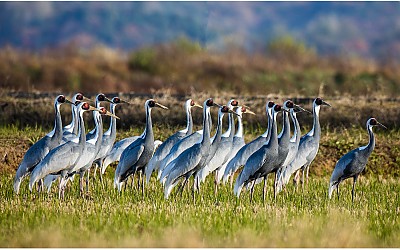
x=231, y=177
x=143, y=177
x=353, y=191
x=216, y=184
x=275, y=183
x=252, y=191
x=87, y=180
x=302, y=177
x=180, y=190
x=264, y=189
x=308, y=171
x=296, y=178
x=337, y=190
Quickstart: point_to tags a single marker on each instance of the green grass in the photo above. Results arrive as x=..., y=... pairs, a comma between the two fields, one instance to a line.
x=105, y=218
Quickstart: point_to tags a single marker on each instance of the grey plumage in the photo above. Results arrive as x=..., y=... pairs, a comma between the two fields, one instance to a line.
x=353, y=163
x=247, y=150
x=63, y=157
x=187, y=162
x=41, y=148
x=261, y=162
x=167, y=145
x=138, y=153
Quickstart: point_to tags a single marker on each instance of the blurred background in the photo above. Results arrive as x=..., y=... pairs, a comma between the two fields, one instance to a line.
x=249, y=48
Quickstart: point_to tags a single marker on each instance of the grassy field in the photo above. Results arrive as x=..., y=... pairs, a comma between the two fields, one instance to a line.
x=104, y=218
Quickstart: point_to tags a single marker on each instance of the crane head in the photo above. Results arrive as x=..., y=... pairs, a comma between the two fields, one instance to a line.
x=270, y=104
x=79, y=97
x=117, y=100
x=104, y=111
x=277, y=108
x=101, y=98
x=194, y=104
x=153, y=104
x=373, y=122
x=210, y=102
x=245, y=110
x=319, y=101
x=61, y=99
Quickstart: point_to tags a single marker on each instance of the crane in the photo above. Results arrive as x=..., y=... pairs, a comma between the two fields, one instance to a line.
x=185, y=164
x=308, y=147
x=244, y=153
x=136, y=156
x=42, y=147
x=166, y=146
x=61, y=158
x=353, y=163
x=261, y=161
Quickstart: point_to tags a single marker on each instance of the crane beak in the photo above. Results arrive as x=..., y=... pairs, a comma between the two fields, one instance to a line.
x=216, y=104
x=233, y=112
x=122, y=101
x=249, y=112
x=111, y=114
x=325, y=103
x=85, y=99
x=302, y=109
x=68, y=101
x=91, y=108
x=160, y=106
x=380, y=124
x=197, y=105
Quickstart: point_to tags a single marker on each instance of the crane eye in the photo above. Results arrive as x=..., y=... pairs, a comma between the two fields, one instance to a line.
x=61, y=99
x=243, y=109
x=373, y=122
x=191, y=103
x=116, y=100
x=318, y=101
x=289, y=104
x=101, y=97
x=103, y=111
x=270, y=104
x=85, y=106
x=209, y=102
x=152, y=103
x=277, y=108
x=234, y=103
x=79, y=97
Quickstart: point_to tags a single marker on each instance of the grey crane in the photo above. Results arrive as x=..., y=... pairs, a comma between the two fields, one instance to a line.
x=308, y=147
x=222, y=148
x=293, y=145
x=89, y=152
x=215, y=144
x=260, y=162
x=177, y=149
x=353, y=163
x=238, y=140
x=136, y=156
x=41, y=148
x=63, y=157
x=166, y=146
x=72, y=128
x=185, y=164
x=244, y=153
x=108, y=138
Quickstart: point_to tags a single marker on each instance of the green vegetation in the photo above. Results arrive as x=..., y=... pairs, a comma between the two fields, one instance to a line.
x=104, y=218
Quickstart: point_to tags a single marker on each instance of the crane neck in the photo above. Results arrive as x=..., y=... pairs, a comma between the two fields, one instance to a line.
x=218, y=133
x=75, y=119
x=112, y=129
x=206, y=127
x=371, y=144
x=189, y=122
x=231, y=128
x=296, y=133
x=273, y=137
x=81, y=129
x=99, y=129
x=148, y=133
x=239, y=132
x=316, y=130
x=56, y=133
x=285, y=133
x=267, y=133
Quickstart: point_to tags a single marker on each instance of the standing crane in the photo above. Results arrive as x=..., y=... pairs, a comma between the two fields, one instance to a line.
x=108, y=138
x=353, y=163
x=41, y=148
x=308, y=147
x=261, y=161
x=136, y=156
x=63, y=157
x=293, y=144
x=187, y=162
x=244, y=153
x=166, y=146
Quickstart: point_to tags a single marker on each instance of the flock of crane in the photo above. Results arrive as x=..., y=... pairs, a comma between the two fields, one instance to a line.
x=68, y=151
